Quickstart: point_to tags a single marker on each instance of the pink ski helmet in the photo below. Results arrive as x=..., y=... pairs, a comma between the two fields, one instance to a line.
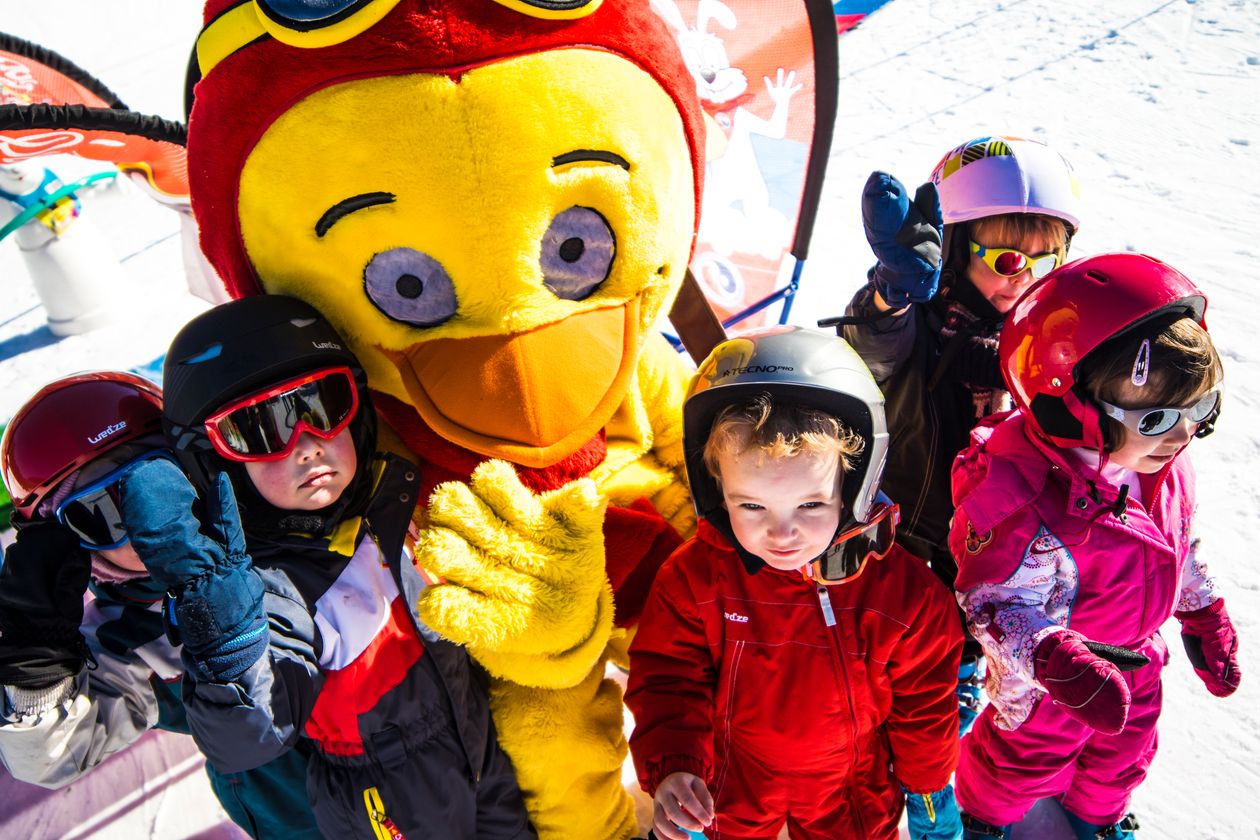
x=991, y=176
x=1059, y=321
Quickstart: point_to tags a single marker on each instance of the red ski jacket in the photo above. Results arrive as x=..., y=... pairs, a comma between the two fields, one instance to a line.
x=829, y=685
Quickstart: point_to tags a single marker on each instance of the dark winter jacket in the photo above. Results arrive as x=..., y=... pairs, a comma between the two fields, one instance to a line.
x=397, y=719
x=838, y=692
x=134, y=686
x=928, y=422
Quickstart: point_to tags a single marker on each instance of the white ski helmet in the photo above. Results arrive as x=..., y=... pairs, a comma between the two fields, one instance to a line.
x=793, y=365
x=991, y=176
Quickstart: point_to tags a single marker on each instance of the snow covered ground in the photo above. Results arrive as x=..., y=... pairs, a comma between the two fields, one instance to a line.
x=1156, y=103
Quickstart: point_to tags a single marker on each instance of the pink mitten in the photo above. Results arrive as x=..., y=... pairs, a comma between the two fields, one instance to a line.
x=1212, y=646
x=1088, y=687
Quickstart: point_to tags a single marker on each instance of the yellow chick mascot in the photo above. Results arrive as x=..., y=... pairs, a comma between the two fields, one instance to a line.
x=495, y=201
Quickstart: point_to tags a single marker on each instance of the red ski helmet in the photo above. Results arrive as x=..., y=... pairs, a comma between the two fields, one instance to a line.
x=1059, y=321
x=69, y=422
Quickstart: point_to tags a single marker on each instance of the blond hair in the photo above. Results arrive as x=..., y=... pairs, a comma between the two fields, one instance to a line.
x=778, y=431
x=1184, y=365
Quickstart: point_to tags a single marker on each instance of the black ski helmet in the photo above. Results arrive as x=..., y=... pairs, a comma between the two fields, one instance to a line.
x=797, y=366
x=238, y=348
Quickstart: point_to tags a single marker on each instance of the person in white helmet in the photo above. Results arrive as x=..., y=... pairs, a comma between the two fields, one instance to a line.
x=793, y=665
x=928, y=319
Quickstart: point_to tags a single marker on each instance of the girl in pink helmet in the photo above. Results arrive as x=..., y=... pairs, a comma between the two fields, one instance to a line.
x=928, y=319
x=1073, y=537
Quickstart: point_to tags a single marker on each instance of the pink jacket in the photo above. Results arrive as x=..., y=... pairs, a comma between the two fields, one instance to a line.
x=1044, y=542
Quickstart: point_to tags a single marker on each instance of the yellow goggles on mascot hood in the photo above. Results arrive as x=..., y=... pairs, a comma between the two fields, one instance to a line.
x=311, y=24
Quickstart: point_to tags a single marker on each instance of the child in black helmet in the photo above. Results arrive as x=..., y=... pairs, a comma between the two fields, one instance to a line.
x=298, y=615
x=793, y=664
x=62, y=456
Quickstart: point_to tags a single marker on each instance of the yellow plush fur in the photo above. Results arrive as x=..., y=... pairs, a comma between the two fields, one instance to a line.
x=477, y=196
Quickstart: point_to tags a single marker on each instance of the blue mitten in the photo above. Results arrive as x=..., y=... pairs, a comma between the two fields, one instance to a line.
x=202, y=564
x=906, y=238
x=933, y=816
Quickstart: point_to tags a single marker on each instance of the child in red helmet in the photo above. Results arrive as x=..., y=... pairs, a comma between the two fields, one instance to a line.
x=1074, y=543
x=62, y=457
x=793, y=665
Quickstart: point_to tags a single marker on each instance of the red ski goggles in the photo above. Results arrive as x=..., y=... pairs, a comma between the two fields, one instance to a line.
x=1010, y=263
x=852, y=548
x=266, y=425
x=94, y=512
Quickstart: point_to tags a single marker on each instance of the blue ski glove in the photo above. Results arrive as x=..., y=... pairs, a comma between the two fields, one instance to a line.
x=216, y=594
x=933, y=816
x=906, y=238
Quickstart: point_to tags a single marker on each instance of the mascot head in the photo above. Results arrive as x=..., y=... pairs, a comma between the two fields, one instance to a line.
x=493, y=200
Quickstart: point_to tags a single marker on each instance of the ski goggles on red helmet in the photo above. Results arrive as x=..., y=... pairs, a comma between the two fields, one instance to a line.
x=94, y=512
x=1153, y=422
x=1009, y=262
x=266, y=425
x=310, y=24
x=854, y=547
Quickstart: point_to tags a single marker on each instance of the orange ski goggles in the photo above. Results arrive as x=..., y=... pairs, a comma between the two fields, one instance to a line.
x=854, y=547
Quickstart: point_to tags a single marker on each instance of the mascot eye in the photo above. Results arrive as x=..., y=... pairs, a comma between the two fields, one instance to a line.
x=577, y=253
x=410, y=286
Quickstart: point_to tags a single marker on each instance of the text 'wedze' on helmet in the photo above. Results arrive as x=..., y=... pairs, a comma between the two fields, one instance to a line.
x=70, y=422
x=794, y=366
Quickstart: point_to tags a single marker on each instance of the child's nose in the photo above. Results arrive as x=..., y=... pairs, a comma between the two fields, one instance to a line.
x=308, y=447
x=781, y=526
x=1184, y=430
x=1023, y=277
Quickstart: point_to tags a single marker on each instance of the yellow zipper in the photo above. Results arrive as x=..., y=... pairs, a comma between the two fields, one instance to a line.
x=382, y=825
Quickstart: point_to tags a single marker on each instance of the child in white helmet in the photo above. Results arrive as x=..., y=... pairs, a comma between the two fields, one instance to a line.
x=793, y=666
x=928, y=320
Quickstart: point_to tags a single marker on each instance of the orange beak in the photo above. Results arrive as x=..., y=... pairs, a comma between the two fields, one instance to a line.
x=534, y=397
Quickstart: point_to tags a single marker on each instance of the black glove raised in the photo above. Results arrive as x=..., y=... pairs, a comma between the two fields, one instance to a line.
x=42, y=583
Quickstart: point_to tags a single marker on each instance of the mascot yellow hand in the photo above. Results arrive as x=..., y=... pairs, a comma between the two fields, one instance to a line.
x=524, y=583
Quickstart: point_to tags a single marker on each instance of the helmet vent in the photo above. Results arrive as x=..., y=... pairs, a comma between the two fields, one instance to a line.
x=1097, y=276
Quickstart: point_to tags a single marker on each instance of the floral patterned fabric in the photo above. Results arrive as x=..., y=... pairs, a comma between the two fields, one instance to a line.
x=1011, y=618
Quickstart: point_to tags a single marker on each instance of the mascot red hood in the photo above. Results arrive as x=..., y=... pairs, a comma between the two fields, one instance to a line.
x=256, y=79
